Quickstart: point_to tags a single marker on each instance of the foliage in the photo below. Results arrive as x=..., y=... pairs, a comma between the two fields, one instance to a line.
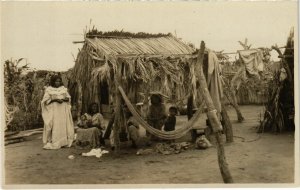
x=279, y=114
x=23, y=90
x=94, y=32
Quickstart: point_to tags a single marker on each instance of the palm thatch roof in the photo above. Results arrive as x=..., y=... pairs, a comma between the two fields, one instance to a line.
x=167, y=45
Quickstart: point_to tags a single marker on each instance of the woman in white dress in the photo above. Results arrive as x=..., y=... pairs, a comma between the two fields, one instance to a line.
x=56, y=113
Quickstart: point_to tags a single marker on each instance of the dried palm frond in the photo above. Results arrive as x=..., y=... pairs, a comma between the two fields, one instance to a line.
x=102, y=72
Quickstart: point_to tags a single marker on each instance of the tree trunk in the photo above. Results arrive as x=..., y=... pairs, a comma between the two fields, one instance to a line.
x=233, y=102
x=231, y=95
x=212, y=116
x=227, y=124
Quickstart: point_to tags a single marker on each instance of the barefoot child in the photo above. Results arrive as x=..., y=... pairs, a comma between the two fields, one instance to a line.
x=171, y=120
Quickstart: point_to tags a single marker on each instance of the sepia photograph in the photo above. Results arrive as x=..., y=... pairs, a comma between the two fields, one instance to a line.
x=159, y=94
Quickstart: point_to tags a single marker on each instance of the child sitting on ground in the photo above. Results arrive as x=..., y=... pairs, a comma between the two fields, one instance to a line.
x=171, y=119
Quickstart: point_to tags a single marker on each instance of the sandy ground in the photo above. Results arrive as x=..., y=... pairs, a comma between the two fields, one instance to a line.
x=267, y=159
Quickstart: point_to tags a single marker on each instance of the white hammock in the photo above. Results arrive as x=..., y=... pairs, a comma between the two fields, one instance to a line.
x=162, y=134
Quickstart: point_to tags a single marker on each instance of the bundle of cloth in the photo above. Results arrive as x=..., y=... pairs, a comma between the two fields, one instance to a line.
x=171, y=148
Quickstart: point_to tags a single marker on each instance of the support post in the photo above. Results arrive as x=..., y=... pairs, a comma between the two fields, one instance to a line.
x=79, y=100
x=212, y=116
x=233, y=102
x=118, y=109
x=226, y=123
x=231, y=96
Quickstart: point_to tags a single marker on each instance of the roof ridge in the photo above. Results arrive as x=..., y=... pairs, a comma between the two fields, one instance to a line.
x=122, y=34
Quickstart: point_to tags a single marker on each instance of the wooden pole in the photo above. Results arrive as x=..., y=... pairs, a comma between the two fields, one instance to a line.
x=232, y=94
x=233, y=102
x=212, y=116
x=118, y=109
x=227, y=124
x=79, y=100
x=284, y=64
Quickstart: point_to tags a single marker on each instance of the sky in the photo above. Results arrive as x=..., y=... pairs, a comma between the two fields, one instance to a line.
x=43, y=32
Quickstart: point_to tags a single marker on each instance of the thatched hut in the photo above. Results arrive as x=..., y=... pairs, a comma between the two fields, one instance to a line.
x=122, y=68
x=140, y=62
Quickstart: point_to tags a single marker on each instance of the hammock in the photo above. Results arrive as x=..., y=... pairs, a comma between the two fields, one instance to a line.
x=158, y=133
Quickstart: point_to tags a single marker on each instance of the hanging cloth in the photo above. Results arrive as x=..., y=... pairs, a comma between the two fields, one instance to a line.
x=253, y=59
x=214, y=81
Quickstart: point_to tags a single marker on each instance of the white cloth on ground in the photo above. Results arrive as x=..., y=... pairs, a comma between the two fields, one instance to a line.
x=95, y=152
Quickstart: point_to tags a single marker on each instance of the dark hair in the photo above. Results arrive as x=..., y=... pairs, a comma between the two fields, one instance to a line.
x=90, y=111
x=158, y=96
x=54, y=78
x=173, y=108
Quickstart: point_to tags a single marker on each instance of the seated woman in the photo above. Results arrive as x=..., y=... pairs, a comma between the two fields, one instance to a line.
x=91, y=128
x=132, y=130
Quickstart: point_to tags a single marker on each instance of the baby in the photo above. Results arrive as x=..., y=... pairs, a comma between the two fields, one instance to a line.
x=83, y=121
x=58, y=96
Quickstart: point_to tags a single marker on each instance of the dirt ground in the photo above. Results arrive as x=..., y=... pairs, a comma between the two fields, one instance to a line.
x=267, y=158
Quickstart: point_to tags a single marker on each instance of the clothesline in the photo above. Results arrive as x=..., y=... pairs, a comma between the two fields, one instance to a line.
x=242, y=50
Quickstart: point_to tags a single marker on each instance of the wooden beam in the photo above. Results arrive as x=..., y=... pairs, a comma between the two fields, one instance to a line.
x=212, y=116
x=226, y=123
x=118, y=109
x=78, y=42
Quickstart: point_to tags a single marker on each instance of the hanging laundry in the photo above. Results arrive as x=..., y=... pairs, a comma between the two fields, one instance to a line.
x=214, y=80
x=253, y=59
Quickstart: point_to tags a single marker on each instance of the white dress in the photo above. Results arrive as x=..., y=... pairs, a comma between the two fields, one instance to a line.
x=58, y=123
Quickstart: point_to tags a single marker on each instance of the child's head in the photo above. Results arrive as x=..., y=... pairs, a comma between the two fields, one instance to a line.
x=83, y=118
x=173, y=111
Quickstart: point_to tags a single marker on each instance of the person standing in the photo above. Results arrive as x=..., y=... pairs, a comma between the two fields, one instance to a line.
x=56, y=113
x=157, y=114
